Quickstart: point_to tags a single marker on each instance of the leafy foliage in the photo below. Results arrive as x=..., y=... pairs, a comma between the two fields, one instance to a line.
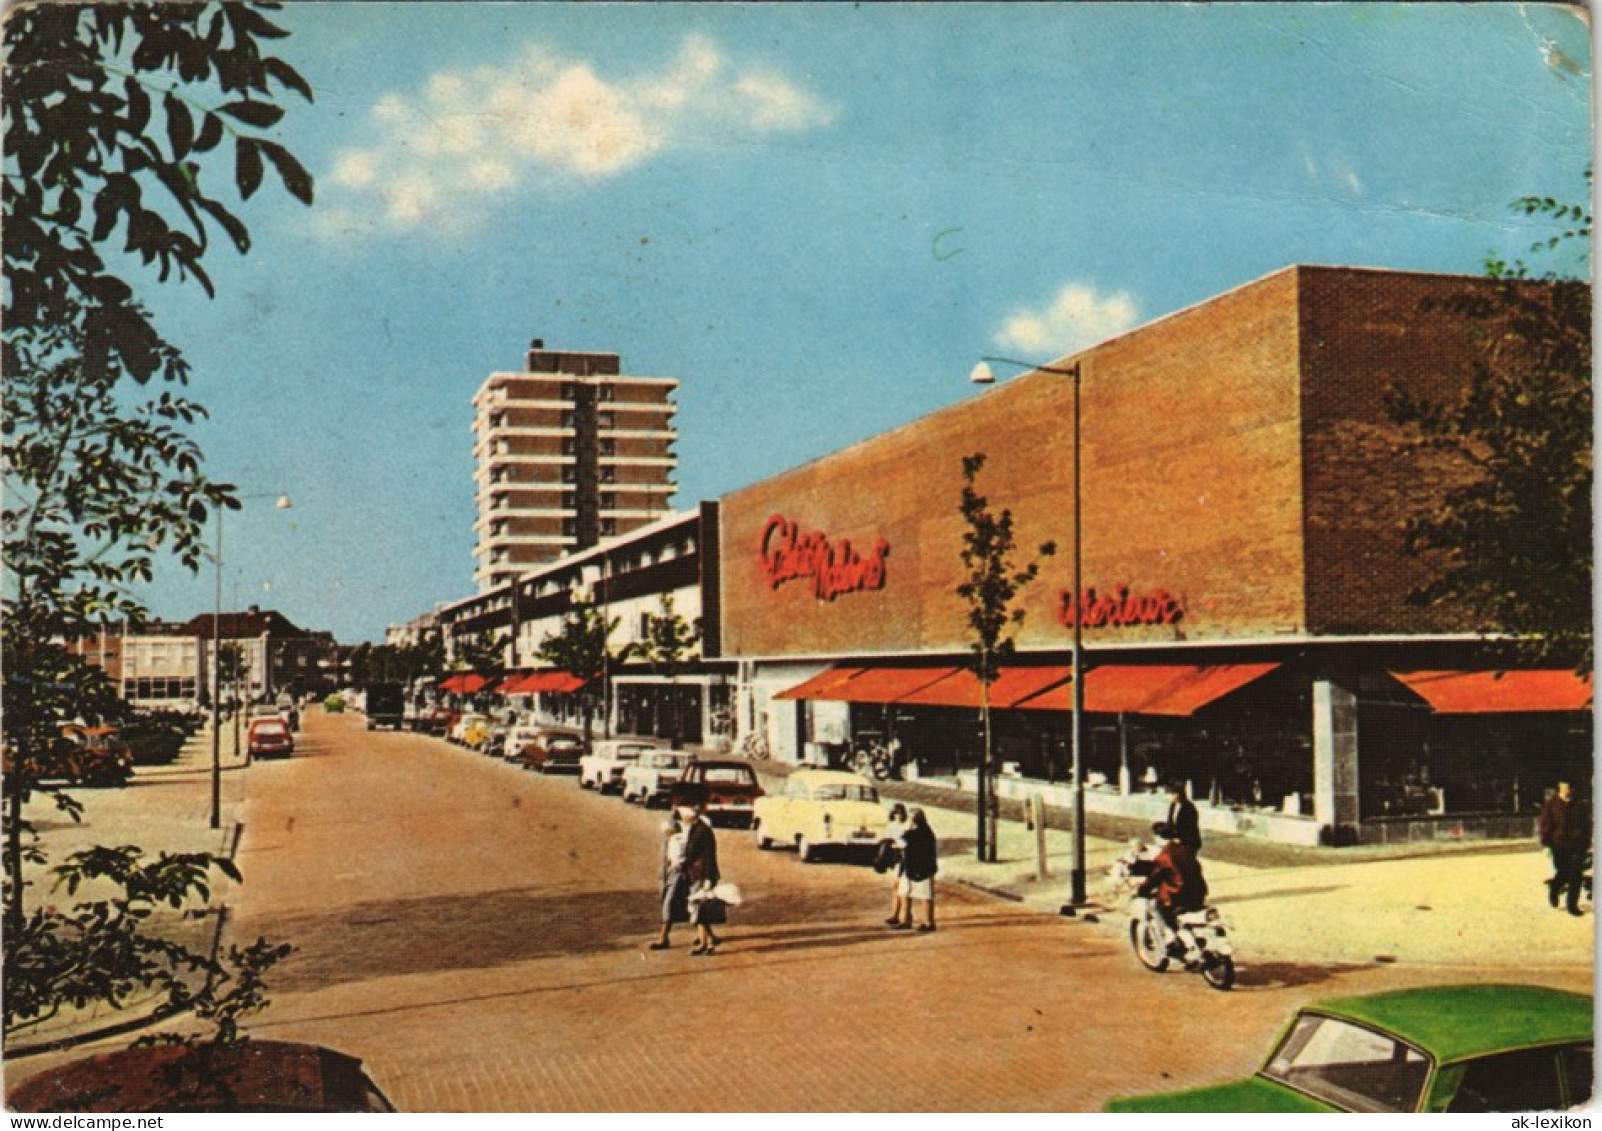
x=113, y=115
x=582, y=650
x=993, y=580
x=106, y=950
x=104, y=138
x=1514, y=541
x=670, y=639
x=989, y=588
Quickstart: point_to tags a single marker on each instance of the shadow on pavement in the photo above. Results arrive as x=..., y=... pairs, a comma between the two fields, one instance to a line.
x=1285, y=975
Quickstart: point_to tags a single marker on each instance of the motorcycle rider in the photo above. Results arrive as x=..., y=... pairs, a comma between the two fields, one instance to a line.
x=1177, y=884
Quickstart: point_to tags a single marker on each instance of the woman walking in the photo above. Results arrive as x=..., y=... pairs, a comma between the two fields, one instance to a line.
x=891, y=849
x=920, y=860
x=675, y=886
x=701, y=876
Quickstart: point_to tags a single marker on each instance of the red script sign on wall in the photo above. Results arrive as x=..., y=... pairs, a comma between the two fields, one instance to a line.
x=1120, y=608
x=787, y=553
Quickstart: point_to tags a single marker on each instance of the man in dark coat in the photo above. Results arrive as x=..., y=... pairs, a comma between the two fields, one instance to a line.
x=1184, y=824
x=701, y=876
x=1564, y=827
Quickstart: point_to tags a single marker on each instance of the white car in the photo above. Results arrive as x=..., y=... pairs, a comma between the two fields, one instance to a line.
x=602, y=768
x=821, y=809
x=651, y=779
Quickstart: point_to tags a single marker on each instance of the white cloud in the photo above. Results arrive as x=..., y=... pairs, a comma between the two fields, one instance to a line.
x=441, y=154
x=1076, y=318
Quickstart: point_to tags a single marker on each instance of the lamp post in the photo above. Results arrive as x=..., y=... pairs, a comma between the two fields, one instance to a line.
x=283, y=503
x=983, y=376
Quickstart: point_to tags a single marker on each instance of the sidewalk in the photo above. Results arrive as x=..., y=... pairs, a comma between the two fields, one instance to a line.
x=1444, y=905
x=163, y=809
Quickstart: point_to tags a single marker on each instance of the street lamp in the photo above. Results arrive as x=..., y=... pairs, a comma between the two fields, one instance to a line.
x=983, y=376
x=283, y=504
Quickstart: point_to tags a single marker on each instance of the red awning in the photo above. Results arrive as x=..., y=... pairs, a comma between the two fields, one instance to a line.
x=819, y=686
x=961, y=687
x=463, y=683
x=508, y=686
x=866, y=685
x=550, y=682
x=1169, y=689
x=1485, y=693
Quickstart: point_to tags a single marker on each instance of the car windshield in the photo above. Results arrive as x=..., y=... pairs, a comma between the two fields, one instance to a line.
x=838, y=792
x=1347, y=1065
x=729, y=775
x=663, y=761
x=271, y=730
x=562, y=742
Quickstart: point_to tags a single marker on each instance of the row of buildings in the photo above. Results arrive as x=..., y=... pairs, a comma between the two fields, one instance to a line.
x=1242, y=496
x=169, y=665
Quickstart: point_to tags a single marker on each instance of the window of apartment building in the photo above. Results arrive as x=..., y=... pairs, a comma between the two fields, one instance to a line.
x=569, y=499
x=608, y=447
x=568, y=418
x=569, y=527
x=569, y=474
x=606, y=419
x=606, y=392
x=567, y=390
x=608, y=526
x=608, y=475
x=609, y=500
x=569, y=445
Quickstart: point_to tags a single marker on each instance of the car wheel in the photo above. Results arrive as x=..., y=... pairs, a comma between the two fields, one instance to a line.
x=763, y=841
x=805, y=850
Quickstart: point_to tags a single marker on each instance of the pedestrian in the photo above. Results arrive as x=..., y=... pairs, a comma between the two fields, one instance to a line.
x=892, y=849
x=1183, y=821
x=1564, y=827
x=675, y=886
x=294, y=718
x=701, y=875
x=920, y=861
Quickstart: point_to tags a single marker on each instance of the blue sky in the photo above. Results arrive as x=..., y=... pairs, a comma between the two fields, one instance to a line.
x=816, y=216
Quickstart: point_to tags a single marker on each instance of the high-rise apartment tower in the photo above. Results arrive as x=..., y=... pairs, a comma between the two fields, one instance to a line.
x=568, y=452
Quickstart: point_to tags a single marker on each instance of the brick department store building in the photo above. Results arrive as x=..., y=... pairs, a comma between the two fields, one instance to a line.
x=1247, y=626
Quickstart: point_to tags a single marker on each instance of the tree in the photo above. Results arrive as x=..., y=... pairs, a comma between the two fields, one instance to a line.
x=108, y=134
x=991, y=585
x=670, y=640
x=1513, y=541
x=581, y=650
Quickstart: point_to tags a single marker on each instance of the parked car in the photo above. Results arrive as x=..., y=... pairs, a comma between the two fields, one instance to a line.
x=548, y=751
x=651, y=779
x=435, y=720
x=97, y=756
x=1482, y=1048
x=602, y=768
x=253, y=1076
x=471, y=731
x=821, y=809
x=726, y=791
x=270, y=738
x=334, y=704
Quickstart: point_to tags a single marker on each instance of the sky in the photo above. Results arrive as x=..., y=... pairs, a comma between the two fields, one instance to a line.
x=816, y=217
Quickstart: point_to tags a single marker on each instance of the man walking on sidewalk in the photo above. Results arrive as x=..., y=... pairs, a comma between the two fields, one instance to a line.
x=1565, y=830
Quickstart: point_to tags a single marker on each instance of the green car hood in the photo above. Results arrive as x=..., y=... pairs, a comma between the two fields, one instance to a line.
x=1254, y=1094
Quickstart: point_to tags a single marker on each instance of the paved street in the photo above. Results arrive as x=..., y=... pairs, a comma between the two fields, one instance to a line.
x=477, y=934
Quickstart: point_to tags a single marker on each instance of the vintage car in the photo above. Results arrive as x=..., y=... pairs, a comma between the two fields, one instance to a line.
x=473, y=731
x=252, y=1076
x=548, y=751
x=1480, y=1048
x=819, y=810
x=651, y=779
x=724, y=791
x=434, y=720
x=602, y=768
x=270, y=738
x=96, y=756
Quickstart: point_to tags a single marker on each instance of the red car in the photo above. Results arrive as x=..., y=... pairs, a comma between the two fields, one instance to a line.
x=726, y=790
x=270, y=738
